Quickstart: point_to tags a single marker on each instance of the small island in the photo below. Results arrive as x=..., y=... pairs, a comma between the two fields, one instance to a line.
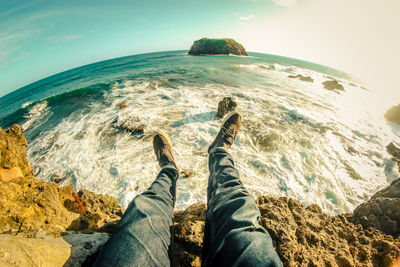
x=206, y=46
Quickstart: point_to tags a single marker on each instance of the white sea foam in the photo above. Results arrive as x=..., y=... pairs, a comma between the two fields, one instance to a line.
x=297, y=139
x=35, y=113
x=26, y=104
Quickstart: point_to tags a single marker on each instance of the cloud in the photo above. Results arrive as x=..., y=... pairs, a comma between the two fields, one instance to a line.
x=56, y=38
x=286, y=3
x=250, y=17
x=15, y=32
x=72, y=37
x=18, y=8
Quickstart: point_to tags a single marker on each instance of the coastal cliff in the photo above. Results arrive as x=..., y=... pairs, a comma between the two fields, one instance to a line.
x=41, y=222
x=206, y=46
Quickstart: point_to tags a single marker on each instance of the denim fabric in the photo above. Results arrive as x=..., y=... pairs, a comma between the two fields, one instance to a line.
x=232, y=235
x=143, y=236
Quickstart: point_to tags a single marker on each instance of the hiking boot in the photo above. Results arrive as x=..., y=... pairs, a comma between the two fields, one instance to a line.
x=163, y=149
x=229, y=129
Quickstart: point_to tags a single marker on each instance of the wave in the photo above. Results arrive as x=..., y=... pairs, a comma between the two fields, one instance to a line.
x=35, y=113
x=64, y=103
x=274, y=66
x=26, y=104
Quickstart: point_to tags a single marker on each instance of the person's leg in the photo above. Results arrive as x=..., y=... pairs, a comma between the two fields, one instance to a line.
x=143, y=236
x=232, y=235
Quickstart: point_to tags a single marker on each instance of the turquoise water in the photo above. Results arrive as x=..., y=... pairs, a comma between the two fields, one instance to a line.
x=298, y=139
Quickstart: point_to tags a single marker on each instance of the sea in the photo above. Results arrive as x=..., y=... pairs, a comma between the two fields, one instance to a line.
x=298, y=139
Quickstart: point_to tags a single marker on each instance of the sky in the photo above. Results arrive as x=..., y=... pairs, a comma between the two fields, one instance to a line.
x=39, y=38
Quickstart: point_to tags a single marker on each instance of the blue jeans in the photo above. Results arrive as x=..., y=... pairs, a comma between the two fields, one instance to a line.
x=232, y=235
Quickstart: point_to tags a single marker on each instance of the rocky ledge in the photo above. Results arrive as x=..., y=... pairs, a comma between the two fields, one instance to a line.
x=42, y=223
x=206, y=46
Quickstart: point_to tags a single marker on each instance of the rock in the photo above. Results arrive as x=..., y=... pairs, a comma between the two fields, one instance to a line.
x=83, y=245
x=12, y=147
x=186, y=174
x=70, y=250
x=302, y=78
x=395, y=152
x=306, y=235
x=188, y=235
x=333, y=86
x=225, y=105
x=19, y=251
x=302, y=236
x=8, y=174
x=133, y=125
x=28, y=205
x=208, y=46
x=393, y=114
x=122, y=106
x=382, y=211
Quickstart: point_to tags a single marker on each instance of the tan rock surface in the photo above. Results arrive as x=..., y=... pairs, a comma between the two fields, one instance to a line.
x=27, y=204
x=70, y=250
x=188, y=235
x=302, y=236
x=306, y=236
x=19, y=251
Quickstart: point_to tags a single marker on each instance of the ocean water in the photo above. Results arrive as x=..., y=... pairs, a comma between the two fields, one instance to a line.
x=298, y=139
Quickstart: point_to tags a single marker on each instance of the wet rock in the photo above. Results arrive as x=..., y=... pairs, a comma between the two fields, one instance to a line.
x=208, y=46
x=225, y=105
x=395, y=152
x=333, y=86
x=133, y=125
x=186, y=174
x=302, y=78
x=57, y=179
x=393, y=114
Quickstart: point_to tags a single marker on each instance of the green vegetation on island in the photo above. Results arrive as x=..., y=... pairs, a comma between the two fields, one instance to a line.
x=206, y=46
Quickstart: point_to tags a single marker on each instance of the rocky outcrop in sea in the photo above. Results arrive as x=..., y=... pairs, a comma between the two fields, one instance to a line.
x=226, y=105
x=42, y=223
x=302, y=78
x=333, y=86
x=206, y=46
x=393, y=114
